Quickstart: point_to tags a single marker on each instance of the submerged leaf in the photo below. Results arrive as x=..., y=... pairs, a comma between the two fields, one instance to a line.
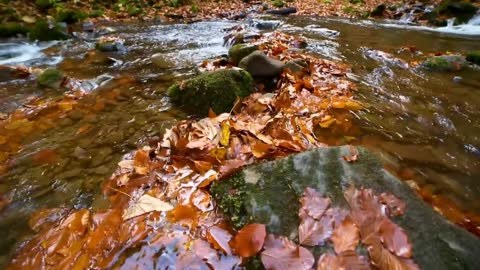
x=145, y=204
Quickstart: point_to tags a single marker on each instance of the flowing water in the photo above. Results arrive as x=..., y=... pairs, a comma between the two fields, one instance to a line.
x=426, y=124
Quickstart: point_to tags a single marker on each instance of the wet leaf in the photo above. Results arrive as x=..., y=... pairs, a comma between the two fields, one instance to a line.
x=312, y=204
x=345, y=236
x=225, y=134
x=249, y=240
x=145, y=204
x=184, y=215
x=353, y=155
x=395, y=239
x=395, y=205
x=384, y=259
x=220, y=239
x=312, y=232
x=281, y=254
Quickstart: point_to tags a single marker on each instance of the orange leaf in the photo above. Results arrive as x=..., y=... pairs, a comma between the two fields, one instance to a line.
x=249, y=240
x=346, y=236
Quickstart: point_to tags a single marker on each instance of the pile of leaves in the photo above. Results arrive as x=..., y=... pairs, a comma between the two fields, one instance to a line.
x=162, y=190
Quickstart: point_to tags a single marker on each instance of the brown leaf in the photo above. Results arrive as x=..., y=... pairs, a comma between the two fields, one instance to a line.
x=384, y=259
x=329, y=261
x=395, y=205
x=345, y=236
x=313, y=232
x=219, y=238
x=395, y=239
x=312, y=204
x=249, y=240
x=229, y=167
x=281, y=254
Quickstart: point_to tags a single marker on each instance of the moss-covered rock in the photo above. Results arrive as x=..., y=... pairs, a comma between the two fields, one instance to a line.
x=109, y=46
x=462, y=10
x=474, y=57
x=445, y=63
x=51, y=78
x=45, y=31
x=258, y=64
x=239, y=51
x=12, y=29
x=70, y=16
x=269, y=193
x=217, y=90
x=134, y=10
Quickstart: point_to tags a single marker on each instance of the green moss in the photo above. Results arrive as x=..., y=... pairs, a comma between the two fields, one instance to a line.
x=96, y=13
x=239, y=51
x=51, y=78
x=134, y=10
x=445, y=63
x=474, y=57
x=44, y=4
x=108, y=46
x=194, y=8
x=70, y=16
x=217, y=90
x=11, y=29
x=278, y=3
x=461, y=10
x=42, y=32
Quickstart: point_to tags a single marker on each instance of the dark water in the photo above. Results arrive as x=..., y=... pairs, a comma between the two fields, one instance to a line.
x=420, y=120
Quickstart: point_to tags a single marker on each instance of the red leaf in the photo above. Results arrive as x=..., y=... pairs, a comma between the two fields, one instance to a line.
x=395, y=205
x=281, y=254
x=346, y=236
x=313, y=232
x=249, y=240
x=384, y=259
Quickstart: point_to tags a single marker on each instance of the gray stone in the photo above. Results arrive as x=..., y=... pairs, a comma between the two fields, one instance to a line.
x=296, y=66
x=260, y=65
x=269, y=193
x=162, y=61
x=282, y=11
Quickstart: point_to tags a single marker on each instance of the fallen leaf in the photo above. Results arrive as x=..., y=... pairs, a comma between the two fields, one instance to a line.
x=145, y=204
x=345, y=237
x=281, y=254
x=384, y=259
x=395, y=205
x=395, y=239
x=312, y=204
x=312, y=232
x=225, y=134
x=249, y=240
x=353, y=155
x=220, y=239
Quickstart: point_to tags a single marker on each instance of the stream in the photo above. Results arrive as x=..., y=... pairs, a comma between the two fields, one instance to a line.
x=426, y=125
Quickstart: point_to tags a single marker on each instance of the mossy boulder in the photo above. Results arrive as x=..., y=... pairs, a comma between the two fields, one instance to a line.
x=258, y=64
x=461, y=10
x=269, y=193
x=474, y=57
x=12, y=29
x=70, y=16
x=46, y=31
x=51, y=78
x=239, y=51
x=217, y=90
x=445, y=63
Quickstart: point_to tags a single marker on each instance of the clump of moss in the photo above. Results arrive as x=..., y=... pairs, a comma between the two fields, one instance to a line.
x=51, y=78
x=134, y=10
x=44, y=4
x=474, y=57
x=232, y=195
x=96, y=13
x=278, y=3
x=217, y=90
x=445, y=63
x=70, y=16
x=42, y=31
x=11, y=29
x=194, y=8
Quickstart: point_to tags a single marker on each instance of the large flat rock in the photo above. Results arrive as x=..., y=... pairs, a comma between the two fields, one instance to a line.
x=269, y=193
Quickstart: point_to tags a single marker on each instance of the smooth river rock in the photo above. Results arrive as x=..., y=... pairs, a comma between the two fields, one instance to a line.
x=269, y=193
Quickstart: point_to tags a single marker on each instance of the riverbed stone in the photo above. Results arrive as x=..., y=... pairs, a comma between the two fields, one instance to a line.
x=162, y=61
x=445, y=63
x=217, y=90
x=282, y=11
x=51, y=78
x=260, y=65
x=109, y=46
x=474, y=57
x=239, y=51
x=269, y=193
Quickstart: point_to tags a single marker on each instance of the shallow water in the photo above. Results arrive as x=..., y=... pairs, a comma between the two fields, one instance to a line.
x=422, y=122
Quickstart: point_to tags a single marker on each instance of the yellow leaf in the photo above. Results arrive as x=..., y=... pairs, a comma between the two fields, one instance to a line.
x=225, y=135
x=145, y=204
x=3, y=139
x=327, y=123
x=65, y=105
x=353, y=105
x=218, y=153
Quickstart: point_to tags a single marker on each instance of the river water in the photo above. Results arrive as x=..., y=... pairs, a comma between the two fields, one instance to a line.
x=426, y=125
